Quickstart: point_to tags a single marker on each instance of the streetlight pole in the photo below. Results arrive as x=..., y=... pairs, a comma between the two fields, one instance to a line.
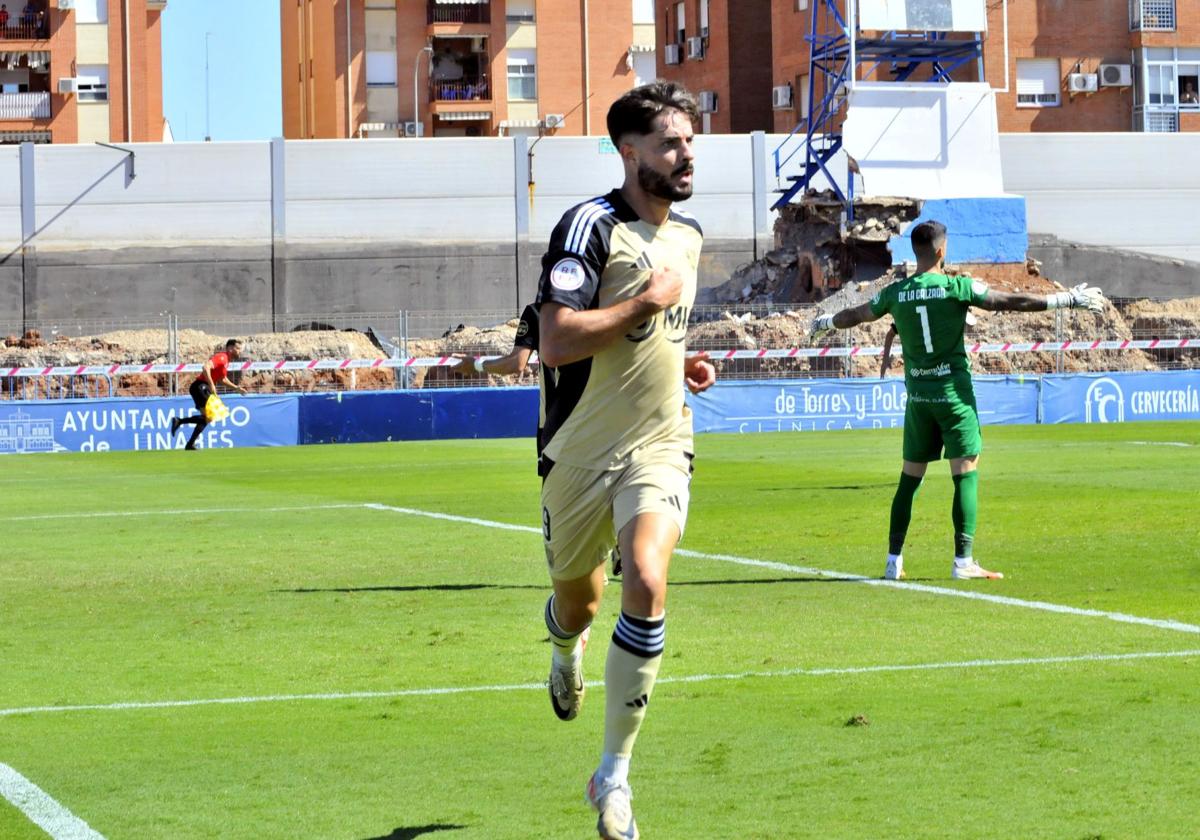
x=416, y=100
x=207, y=98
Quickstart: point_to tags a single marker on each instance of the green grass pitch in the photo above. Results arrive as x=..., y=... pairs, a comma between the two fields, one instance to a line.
x=260, y=575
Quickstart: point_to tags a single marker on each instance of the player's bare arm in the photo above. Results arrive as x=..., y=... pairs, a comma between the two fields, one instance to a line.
x=568, y=336
x=1082, y=296
x=208, y=369
x=886, y=361
x=514, y=361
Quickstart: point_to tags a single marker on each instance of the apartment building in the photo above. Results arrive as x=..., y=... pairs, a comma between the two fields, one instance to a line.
x=721, y=51
x=1057, y=65
x=81, y=71
x=452, y=68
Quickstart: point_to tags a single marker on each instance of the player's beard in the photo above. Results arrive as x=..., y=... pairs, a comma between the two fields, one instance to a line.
x=661, y=186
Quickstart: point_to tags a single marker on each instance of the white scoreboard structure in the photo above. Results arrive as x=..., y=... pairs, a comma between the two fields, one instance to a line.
x=923, y=15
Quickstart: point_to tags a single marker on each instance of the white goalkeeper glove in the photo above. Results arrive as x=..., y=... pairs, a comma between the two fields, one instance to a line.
x=1082, y=296
x=822, y=326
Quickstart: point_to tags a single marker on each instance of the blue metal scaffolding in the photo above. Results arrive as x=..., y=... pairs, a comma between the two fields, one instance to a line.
x=837, y=51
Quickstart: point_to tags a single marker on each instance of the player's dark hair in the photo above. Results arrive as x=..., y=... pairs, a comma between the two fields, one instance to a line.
x=927, y=237
x=636, y=110
x=233, y=342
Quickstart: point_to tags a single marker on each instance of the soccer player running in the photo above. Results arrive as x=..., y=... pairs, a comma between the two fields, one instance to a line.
x=617, y=286
x=930, y=311
x=215, y=370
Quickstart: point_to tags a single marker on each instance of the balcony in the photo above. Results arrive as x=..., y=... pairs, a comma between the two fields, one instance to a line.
x=25, y=106
x=460, y=90
x=25, y=20
x=456, y=11
x=1151, y=15
x=27, y=30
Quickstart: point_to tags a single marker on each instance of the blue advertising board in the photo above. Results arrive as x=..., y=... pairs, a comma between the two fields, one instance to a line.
x=732, y=406
x=134, y=423
x=1121, y=397
x=808, y=405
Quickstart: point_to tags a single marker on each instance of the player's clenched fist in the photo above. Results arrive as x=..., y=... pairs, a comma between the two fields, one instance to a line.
x=663, y=288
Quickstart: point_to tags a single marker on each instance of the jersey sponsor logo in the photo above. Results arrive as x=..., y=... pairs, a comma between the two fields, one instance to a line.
x=643, y=330
x=979, y=288
x=941, y=370
x=675, y=319
x=567, y=275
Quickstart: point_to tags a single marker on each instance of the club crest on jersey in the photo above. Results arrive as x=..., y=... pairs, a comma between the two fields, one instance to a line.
x=567, y=275
x=522, y=329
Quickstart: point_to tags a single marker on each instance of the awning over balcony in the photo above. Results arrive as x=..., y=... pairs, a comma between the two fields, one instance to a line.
x=463, y=116
x=35, y=60
x=520, y=123
x=641, y=48
x=461, y=2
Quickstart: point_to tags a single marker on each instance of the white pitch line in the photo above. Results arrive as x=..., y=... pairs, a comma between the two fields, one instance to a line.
x=42, y=809
x=176, y=512
x=541, y=686
x=1004, y=600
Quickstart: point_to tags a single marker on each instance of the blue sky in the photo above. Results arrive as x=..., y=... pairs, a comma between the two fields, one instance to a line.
x=244, y=68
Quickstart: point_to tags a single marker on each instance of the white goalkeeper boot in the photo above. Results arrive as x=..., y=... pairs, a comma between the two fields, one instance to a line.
x=965, y=568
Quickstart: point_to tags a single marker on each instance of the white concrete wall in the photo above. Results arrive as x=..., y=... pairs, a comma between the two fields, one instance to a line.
x=183, y=193
x=1135, y=191
x=447, y=190
x=10, y=198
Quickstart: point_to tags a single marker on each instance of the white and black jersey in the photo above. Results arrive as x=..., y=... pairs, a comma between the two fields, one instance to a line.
x=628, y=398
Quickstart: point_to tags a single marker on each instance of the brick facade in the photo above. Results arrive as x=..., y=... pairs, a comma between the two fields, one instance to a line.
x=144, y=90
x=314, y=62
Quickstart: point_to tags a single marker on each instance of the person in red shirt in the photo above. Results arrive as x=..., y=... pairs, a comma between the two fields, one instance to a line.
x=215, y=370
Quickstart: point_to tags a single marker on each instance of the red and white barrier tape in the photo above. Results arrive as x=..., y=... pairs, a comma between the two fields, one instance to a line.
x=716, y=355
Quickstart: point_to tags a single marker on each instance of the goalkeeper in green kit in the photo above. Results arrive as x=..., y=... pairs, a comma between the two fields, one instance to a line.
x=930, y=310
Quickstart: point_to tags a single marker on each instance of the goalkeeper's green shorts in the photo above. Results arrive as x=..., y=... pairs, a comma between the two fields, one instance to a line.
x=933, y=423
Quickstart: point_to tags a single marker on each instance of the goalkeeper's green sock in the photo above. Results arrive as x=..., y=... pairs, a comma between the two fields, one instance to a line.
x=966, y=504
x=902, y=504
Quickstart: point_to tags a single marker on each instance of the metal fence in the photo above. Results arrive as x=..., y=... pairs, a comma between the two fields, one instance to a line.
x=414, y=349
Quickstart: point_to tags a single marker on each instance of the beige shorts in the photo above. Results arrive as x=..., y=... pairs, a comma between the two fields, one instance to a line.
x=584, y=510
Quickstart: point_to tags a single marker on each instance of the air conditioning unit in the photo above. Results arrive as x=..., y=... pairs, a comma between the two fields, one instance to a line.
x=1082, y=83
x=1116, y=75
x=66, y=5
x=68, y=85
x=781, y=96
x=671, y=54
x=554, y=120
x=478, y=44
x=708, y=101
x=414, y=129
x=695, y=47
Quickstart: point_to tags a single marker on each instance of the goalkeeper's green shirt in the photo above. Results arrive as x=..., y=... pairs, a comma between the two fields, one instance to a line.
x=930, y=313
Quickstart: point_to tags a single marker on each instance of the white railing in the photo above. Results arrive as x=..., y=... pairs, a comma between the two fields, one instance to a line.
x=1152, y=15
x=24, y=106
x=1157, y=120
